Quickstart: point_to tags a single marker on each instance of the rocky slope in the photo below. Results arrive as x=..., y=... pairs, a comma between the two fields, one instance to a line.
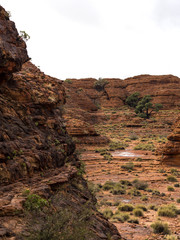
x=40, y=174
x=171, y=152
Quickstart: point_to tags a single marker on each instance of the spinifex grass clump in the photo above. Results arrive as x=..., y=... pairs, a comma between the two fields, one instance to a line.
x=114, y=188
x=121, y=217
x=160, y=227
x=138, y=212
x=128, y=166
x=107, y=213
x=126, y=207
x=140, y=185
x=145, y=147
x=171, y=178
x=116, y=145
x=169, y=210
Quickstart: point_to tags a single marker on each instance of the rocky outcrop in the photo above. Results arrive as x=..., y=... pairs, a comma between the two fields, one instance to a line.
x=171, y=152
x=12, y=47
x=84, y=98
x=164, y=89
x=38, y=163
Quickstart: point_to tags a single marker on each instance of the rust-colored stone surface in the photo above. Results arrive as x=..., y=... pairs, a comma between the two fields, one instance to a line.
x=36, y=153
x=171, y=152
x=12, y=48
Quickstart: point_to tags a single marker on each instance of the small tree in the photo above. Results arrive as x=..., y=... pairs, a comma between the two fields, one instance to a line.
x=133, y=99
x=145, y=107
x=24, y=36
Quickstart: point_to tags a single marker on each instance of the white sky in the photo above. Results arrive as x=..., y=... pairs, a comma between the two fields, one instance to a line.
x=100, y=38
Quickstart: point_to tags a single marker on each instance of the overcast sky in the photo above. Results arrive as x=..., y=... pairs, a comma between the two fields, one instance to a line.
x=100, y=38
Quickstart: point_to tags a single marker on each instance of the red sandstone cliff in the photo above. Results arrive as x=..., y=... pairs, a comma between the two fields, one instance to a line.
x=37, y=156
x=171, y=152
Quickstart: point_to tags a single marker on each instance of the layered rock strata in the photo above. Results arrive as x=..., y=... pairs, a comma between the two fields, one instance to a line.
x=38, y=163
x=171, y=152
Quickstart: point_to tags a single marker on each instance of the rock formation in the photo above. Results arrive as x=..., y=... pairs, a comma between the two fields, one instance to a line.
x=171, y=152
x=38, y=163
x=84, y=98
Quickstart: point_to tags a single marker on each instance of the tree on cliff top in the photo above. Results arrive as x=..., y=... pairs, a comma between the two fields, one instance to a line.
x=143, y=106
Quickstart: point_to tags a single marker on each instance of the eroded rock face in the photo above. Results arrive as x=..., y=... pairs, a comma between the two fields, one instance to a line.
x=37, y=156
x=12, y=48
x=171, y=152
x=84, y=100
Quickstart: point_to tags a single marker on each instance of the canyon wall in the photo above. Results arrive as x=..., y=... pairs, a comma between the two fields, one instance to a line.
x=40, y=173
x=171, y=152
x=85, y=98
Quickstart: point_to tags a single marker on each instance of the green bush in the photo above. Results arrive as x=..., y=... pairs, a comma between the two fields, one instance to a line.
x=121, y=217
x=144, y=198
x=107, y=213
x=138, y=212
x=178, y=200
x=160, y=227
x=116, y=145
x=170, y=189
x=128, y=166
x=35, y=202
x=133, y=220
x=168, y=211
x=100, y=84
x=171, y=178
x=140, y=185
x=133, y=99
x=134, y=192
x=108, y=185
x=153, y=207
x=126, y=207
x=117, y=190
x=145, y=147
x=141, y=206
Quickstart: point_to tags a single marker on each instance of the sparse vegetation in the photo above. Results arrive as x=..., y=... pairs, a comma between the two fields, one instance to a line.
x=107, y=213
x=168, y=211
x=160, y=227
x=126, y=207
x=172, y=178
x=138, y=212
x=100, y=84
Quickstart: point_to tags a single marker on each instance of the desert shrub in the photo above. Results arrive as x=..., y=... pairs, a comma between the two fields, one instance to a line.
x=133, y=220
x=176, y=185
x=171, y=178
x=160, y=227
x=128, y=166
x=126, y=207
x=144, y=198
x=138, y=212
x=156, y=192
x=117, y=190
x=68, y=81
x=145, y=147
x=122, y=217
x=107, y=213
x=108, y=185
x=94, y=188
x=153, y=207
x=134, y=192
x=133, y=99
x=35, y=202
x=168, y=211
x=100, y=84
x=170, y=189
x=125, y=182
x=174, y=171
x=178, y=200
x=133, y=136
x=116, y=145
x=140, y=185
x=63, y=223
x=141, y=206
